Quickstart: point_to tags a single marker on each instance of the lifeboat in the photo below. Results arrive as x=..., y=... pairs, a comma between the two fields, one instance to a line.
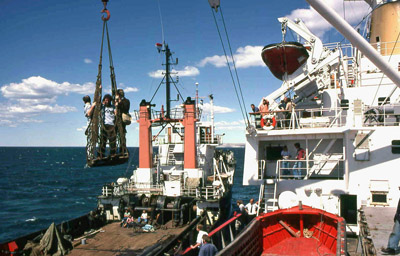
x=300, y=230
x=285, y=57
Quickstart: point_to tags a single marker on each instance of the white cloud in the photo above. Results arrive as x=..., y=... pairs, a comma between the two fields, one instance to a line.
x=217, y=109
x=56, y=109
x=87, y=61
x=130, y=89
x=37, y=87
x=81, y=129
x=248, y=56
x=186, y=71
x=355, y=11
x=34, y=96
x=8, y=123
x=227, y=126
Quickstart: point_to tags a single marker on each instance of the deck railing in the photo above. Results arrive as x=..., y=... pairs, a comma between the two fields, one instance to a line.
x=208, y=193
x=387, y=115
x=331, y=167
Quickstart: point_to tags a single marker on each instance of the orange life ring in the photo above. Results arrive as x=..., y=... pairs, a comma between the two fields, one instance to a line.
x=268, y=123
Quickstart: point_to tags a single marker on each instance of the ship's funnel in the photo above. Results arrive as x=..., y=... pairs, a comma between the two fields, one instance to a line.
x=385, y=28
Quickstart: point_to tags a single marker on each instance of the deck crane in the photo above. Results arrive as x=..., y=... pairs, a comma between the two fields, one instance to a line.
x=305, y=82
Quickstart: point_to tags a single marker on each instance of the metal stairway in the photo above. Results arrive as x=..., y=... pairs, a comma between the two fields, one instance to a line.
x=171, y=156
x=268, y=200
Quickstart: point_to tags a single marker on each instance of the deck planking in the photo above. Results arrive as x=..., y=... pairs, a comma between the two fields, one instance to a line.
x=114, y=240
x=380, y=224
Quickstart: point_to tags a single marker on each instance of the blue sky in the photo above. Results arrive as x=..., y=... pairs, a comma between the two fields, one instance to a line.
x=50, y=53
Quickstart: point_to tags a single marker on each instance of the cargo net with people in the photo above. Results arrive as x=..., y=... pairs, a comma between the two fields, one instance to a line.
x=107, y=118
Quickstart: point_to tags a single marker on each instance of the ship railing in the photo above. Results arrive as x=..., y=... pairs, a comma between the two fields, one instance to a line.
x=175, y=113
x=329, y=167
x=384, y=48
x=261, y=169
x=144, y=187
x=207, y=139
x=207, y=193
x=387, y=115
x=168, y=139
x=301, y=119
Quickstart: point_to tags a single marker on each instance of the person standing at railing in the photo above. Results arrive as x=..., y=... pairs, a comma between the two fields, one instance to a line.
x=300, y=155
x=251, y=209
x=264, y=107
x=289, y=109
x=257, y=115
x=282, y=113
x=285, y=154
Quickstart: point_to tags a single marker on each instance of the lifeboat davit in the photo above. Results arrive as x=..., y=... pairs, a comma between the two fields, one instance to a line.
x=285, y=57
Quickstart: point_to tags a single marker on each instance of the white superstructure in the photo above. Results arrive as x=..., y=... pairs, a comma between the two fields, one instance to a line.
x=346, y=118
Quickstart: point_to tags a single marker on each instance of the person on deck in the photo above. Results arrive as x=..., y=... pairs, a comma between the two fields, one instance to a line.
x=242, y=210
x=208, y=249
x=394, y=238
x=199, y=240
x=130, y=222
x=88, y=110
x=254, y=108
x=264, y=107
x=251, y=209
x=289, y=109
x=300, y=155
x=144, y=217
x=108, y=112
x=282, y=114
x=285, y=154
x=257, y=115
x=127, y=215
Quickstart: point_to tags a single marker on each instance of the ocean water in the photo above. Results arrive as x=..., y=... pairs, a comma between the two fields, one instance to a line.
x=41, y=185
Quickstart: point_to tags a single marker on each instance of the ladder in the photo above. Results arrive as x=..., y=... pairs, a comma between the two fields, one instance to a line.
x=267, y=197
x=171, y=156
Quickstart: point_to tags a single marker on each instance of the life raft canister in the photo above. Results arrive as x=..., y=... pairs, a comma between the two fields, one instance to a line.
x=268, y=122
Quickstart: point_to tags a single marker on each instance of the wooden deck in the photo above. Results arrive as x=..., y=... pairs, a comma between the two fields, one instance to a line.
x=380, y=224
x=115, y=240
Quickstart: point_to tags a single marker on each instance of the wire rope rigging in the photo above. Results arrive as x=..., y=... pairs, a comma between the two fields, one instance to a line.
x=215, y=5
x=99, y=132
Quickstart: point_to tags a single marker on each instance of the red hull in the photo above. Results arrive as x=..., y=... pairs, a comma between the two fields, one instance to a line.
x=284, y=57
x=293, y=231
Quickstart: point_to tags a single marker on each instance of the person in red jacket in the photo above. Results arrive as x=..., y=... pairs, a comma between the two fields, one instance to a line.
x=301, y=155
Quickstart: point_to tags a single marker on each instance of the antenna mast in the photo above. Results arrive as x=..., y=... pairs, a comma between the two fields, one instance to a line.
x=168, y=82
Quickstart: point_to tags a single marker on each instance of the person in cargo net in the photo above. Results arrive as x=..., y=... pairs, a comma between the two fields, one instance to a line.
x=108, y=112
x=394, y=238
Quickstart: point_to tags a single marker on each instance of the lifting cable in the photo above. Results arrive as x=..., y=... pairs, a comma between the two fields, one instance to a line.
x=240, y=101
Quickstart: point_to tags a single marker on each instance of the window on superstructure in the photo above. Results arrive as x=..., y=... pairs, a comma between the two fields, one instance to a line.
x=396, y=146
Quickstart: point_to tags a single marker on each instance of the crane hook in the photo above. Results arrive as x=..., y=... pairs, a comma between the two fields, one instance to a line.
x=106, y=18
